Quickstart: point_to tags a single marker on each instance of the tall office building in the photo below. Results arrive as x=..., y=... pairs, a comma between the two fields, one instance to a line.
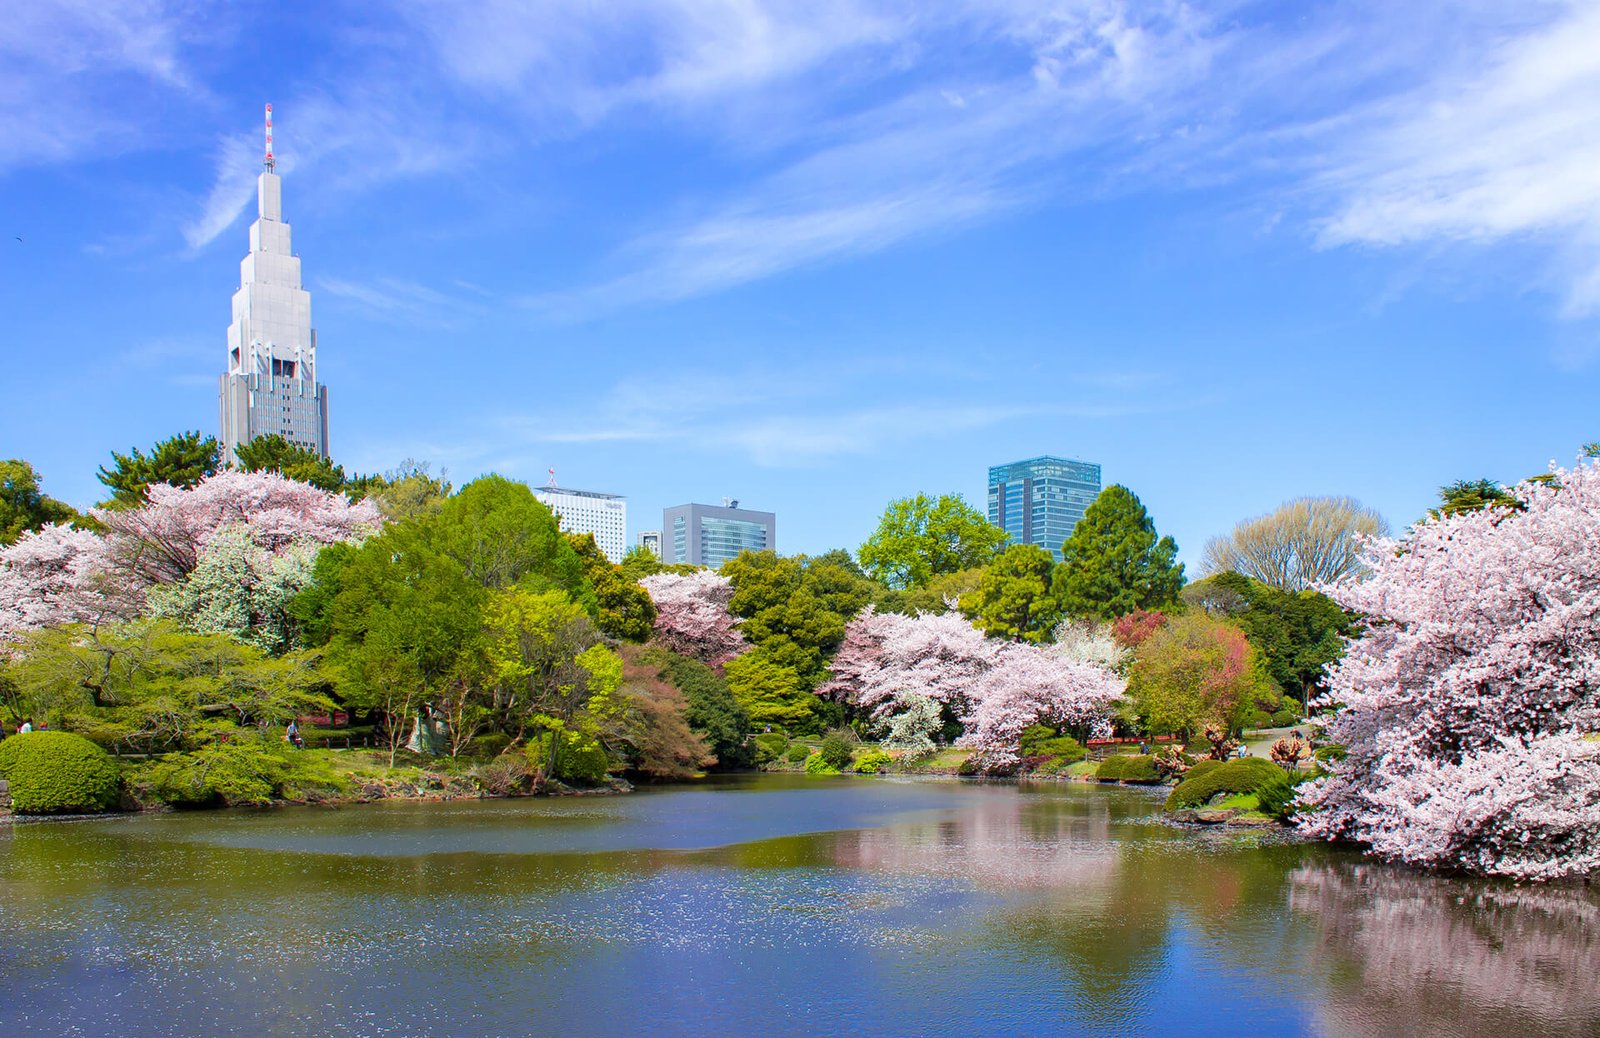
x=650, y=540
x=1040, y=500
x=706, y=535
x=589, y=511
x=271, y=385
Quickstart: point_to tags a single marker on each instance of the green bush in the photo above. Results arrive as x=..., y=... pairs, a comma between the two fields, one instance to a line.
x=836, y=751
x=1277, y=798
x=1128, y=767
x=1285, y=718
x=580, y=760
x=817, y=764
x=244, y=770
x=797, y=753
x=770, y=746
x=1042, y=741
x=57, y=772
x=872, y=762
x=1201, y=767
x=317, y=738
x=1333, y=751
x=489, y=745
x=1245, y=775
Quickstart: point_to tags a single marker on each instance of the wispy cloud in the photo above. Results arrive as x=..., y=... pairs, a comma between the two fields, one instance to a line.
x=398, y=301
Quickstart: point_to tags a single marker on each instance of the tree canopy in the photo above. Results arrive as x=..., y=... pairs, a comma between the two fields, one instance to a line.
x=1013, y=598
x=1114, y=563
x=23, y=506
x=919, y=538
x=1297, y=635
x=181, y=461
x=1302, y=543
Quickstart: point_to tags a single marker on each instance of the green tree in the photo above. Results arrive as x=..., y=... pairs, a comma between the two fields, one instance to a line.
x=919, y=538
x=181, y=460
x=794, y=608
x=1013, y=598
x=1114, y=563
x=502, y=535
x=23, y=506
x=1471, y=495
x=712, y=713
x=410, y=491
x=1296, y=635
x=771, y=692
x=624, y=609
x=275, y=454
x=1196, y=670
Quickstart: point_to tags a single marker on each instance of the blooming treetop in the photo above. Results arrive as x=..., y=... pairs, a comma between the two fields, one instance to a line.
x=60, y=575
x=162, y=540
x=889, y=662
x=1466, y=703
x=692, y=616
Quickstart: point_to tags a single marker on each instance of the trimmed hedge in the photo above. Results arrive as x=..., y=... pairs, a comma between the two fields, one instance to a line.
x=58, y=772
x=797, y=753
x=817, y=764
x=770, y=746
x=1128, y=767
x=1244, y=775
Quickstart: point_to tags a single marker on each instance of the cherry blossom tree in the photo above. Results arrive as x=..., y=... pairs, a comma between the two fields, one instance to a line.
x=58, y=575
x=890, y=664
x=1468, y=707
x=692, y=617
x=240, y=588
x=161, y=541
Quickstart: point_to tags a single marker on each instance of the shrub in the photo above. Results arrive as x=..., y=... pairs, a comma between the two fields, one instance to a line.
x=836, y=751
x=1110, y=769
x=797, y=753
x=506, y=775
x=316, y=738
x=1277, y=798
x=1285, y=717
x=817, y=764
x=1246, y=775
x=57, y=772
x=243, y=771
x=491, y=744
x=1202, y=767
x=872, y=762
x=580, y=760
x=1042, y=741
x=770, y=746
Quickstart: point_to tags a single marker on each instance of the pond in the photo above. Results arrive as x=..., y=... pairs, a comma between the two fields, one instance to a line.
x=764, y=904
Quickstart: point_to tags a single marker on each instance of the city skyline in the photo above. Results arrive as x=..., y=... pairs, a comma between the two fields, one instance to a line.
x=825, y=258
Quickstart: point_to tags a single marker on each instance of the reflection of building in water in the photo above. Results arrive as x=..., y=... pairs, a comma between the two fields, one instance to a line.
x=1438, y=956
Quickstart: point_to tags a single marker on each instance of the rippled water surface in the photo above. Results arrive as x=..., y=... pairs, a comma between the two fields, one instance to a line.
x=764, y=905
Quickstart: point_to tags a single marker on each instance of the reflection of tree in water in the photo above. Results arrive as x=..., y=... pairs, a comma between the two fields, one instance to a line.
x=1436, y=956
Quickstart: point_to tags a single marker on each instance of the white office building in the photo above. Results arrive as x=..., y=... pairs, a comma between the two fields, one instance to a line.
x=271, y=385
x=589, y=511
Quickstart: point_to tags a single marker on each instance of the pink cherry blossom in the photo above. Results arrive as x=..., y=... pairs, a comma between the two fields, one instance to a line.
x=692, y=616
x=1465, y=704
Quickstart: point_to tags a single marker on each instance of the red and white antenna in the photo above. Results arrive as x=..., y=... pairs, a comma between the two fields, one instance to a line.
x=270, y=164
x=552, y=476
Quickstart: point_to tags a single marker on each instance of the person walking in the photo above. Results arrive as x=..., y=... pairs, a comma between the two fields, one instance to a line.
x=26, y=726
x=292, y=735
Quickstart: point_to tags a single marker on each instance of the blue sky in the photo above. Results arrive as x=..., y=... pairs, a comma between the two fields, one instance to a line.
x=819, y=255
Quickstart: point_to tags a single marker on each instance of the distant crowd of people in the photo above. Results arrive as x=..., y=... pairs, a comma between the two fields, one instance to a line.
x=25, y=727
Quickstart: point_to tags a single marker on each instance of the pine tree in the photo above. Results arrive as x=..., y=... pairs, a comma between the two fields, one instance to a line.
x=1114, y=563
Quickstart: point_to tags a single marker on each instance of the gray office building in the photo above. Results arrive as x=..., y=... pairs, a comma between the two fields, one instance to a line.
x=708, y=535
x=1040, y=500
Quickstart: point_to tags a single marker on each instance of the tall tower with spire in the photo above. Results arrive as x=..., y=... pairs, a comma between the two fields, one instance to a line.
x=271, y=385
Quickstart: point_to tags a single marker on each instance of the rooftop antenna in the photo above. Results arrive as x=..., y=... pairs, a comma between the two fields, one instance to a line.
x=552, y=482
x=271, y=165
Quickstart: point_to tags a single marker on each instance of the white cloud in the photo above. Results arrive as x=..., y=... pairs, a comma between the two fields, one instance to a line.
x=1508, y=150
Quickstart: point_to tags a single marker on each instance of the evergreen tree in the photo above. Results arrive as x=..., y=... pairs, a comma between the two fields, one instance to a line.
x=1114, y=563
x=276, y=454
x=182, y=460
x=1013, y=597
x=23, y=506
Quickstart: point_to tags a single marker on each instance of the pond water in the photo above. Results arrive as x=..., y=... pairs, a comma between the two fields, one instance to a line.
x=764, y=904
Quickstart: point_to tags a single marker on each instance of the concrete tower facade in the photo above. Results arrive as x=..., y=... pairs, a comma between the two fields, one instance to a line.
x=271, y=385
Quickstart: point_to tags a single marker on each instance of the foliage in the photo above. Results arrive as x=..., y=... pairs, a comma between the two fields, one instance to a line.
x=1093, y=643
x=60, y=575
x=570, y=757
x=1196, y=668
x=772, y=693
x=1113, y=563
x=1305, y=543
x=1128, y=767
x=872, y=762
x=241, y=589
x=501, y=535
x=54, y=772
x=1471, y=495
x=1043, y=741
x=692, y=617
x=240, y=770
x=939, y=595
x=649, y=722
x=1013, y=597
x=624, y=608
x=770, y=746
x=181, y=461
x=836, y=751
x=1208, y=778
x=1170, y=763
x=274, y=453
x=797, y=753
x=912, y=723
x=23, y=506
x=712, y=711
x=409, y=492
x=1278, y=799
x=1286, y=753
x=817, y=764
x=919, y=538
x=1464, y=705
x=794, y=609
x=509, y=774
x=150, y=686
x=1297, y=635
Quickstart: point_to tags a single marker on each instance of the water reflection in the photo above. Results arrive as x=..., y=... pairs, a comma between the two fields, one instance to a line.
x=1403, y=953
x=769, y=905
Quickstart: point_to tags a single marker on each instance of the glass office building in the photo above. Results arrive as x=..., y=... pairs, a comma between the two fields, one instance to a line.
x=705, y=535
x=1040, y=500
